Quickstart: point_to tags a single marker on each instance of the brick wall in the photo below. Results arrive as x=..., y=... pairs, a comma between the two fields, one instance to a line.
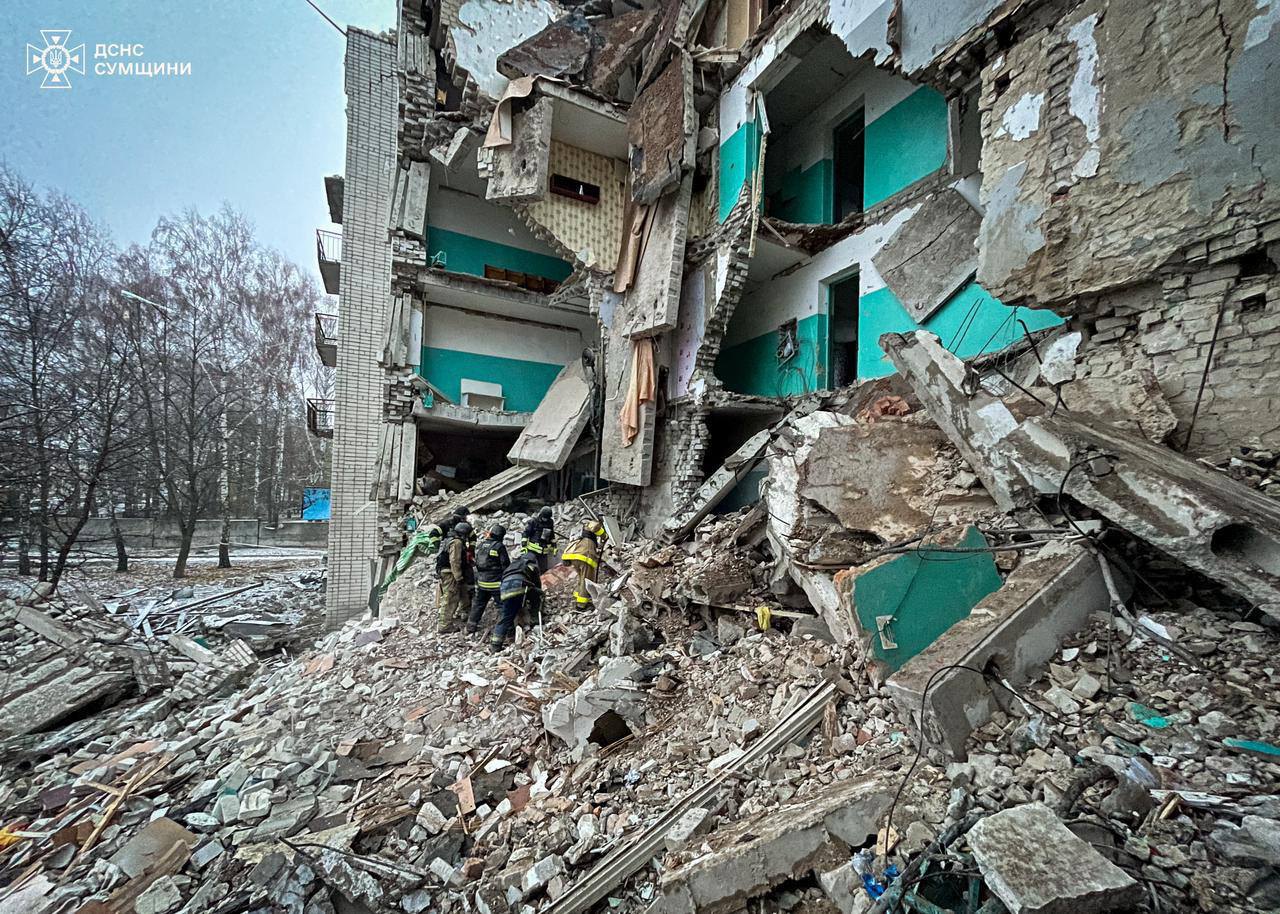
x=1168, y=325
x=364, y=294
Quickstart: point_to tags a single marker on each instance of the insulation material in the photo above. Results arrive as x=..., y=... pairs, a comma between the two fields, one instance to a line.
x=662, y=130
x=652, y=304
x=520, y=168
x=557, y=423
x=409, y=203
x=931, y=255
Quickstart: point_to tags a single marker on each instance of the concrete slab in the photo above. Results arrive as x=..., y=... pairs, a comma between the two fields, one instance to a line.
x=520, y=168
x=652, y=304
x=631, y=465
x=55, y=699
x=1035, y=865
x=755, y=854
x=555, y=426
x=1020, y=626
x=932, y=254
x=141, y=852
x=716, y=487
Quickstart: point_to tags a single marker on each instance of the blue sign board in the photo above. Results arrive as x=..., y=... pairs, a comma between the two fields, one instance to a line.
x=315, y=504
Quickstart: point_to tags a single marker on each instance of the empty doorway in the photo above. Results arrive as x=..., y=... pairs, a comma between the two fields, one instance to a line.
x=849, y=154
x=842, y=330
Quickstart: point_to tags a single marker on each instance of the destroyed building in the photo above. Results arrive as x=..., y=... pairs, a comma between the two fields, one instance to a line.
x=609, y=245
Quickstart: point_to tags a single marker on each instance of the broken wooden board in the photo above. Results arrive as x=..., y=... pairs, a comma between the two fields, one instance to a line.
x=931, y=255
x=557, y=423
x=715, y=488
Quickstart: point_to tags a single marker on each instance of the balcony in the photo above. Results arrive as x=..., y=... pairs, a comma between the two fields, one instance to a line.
x=320, y=417
x=329, y=257
x=327, y=338
x=333, y=188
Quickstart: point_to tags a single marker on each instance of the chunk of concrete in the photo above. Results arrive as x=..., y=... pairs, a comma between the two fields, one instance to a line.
x=602, y=710
x=1255, y=843
x=694, y=822
x=931, y=255
x=520, y=168
x=161, y=897
x=1035, y=865
x=1048, y=597
x=153, y=841
x=555, y=426
x=756, y=854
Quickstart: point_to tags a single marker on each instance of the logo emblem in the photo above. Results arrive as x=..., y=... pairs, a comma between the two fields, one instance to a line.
x=56, y=59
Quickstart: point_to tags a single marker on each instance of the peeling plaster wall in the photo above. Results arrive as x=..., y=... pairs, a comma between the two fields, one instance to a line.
x=1159, y=125
x=591, y=232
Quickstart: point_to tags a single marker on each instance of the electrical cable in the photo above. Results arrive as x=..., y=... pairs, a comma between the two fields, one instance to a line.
x=920, y=743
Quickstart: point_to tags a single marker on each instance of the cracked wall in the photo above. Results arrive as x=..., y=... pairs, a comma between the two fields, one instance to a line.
x=1120, y=135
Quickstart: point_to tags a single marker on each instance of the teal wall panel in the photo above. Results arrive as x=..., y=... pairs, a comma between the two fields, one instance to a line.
x=970, y=323
x=738, y=157
x=804, y=195
x=467, y=254
x=751, y=367
x=524, y=383
x=927, y=592
x=904, y=144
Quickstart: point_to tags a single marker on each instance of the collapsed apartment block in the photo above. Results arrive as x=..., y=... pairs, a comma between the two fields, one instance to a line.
x=591, y=246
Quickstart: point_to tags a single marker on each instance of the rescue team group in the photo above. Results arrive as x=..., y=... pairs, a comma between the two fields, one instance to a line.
x=484, y=571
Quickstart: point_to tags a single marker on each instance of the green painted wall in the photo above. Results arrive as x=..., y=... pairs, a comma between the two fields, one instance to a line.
x=880, y=312
x=904, y=144
x=751, y=367
x=524, y=383
x=804, y=195
x=738, y=157
x=927, y=592
x=466, y=254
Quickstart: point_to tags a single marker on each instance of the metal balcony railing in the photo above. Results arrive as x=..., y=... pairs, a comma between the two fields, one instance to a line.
x=329, y=258
x=327, y=338
x=320, y=417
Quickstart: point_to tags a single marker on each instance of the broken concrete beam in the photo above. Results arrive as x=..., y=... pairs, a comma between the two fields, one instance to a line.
x=754, y=855
x=520, y=168
x=975, y=424
x=555, y=426
x=1049, y=596
x=717, y=486
x=652, y=304
x=409, y=203
x=931, y=255
x=1035, y=865
x=662, y=129
x=1212, y=523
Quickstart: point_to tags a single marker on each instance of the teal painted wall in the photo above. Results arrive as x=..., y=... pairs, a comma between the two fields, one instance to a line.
x=804, y=195
x=904, y=144
x=466, y=254
x=738, y=157
x=880, y=312
x=524, y=383
x=751, y=367
x=927, y=592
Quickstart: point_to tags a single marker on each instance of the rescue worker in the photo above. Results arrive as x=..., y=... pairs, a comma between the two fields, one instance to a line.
x=491, y=560
x=539, y=535
x=521, y=589
x=584, y=556
x=455, y=574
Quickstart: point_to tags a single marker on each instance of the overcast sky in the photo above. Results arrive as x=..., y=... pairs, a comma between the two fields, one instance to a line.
x=258, y=122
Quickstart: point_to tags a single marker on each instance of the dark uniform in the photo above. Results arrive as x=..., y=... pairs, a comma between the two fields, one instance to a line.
x=491, y=561
x=539, y=535
x=521, y=589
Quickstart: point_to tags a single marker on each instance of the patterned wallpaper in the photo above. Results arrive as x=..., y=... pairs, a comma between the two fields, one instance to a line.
x=592, y=231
